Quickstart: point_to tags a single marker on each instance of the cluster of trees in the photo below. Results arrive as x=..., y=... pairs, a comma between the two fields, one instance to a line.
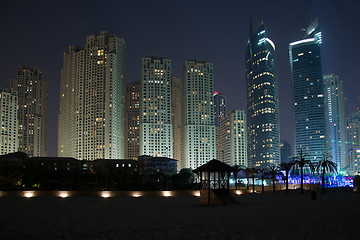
x=299, y=163
x=36, y=176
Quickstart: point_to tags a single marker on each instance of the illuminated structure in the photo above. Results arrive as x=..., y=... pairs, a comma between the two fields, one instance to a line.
x=92, y=93
x=335, y=116
x=199, y=145
x=353, y=141
x=262, y=100
x=32, y=92
x=219, y=111
x=233, y=139
x=133, y=120
x=309, y=121
x=9, y=141
x=156, y=128
x=176, y=118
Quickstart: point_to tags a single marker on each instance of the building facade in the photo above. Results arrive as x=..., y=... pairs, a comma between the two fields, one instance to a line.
x=92, y=93
x=238, y=138
x=176, y=118
x=336, y=119
x=307, y=89
x=199, y=146
x=132, y=101
x=156, y=128
x=9, y=141
x=32, y=92
x=262, y=100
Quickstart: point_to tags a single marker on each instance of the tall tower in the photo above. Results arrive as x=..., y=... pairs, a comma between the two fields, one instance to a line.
x=9, y=141
x=156, y=129
x=353, y=144
x=307, y=89
x=133, y=120
x=92, y=92
x=176, y=118
x=336, y=120
x=220, y=102
x=262, y=100
x=199, y=145
x=32, y=93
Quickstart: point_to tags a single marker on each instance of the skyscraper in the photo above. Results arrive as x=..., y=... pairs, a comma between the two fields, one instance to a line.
x=220, y=102
x=238, y=138
x=156, y=128
x=9, y=141
x=352, y=165
x=199, y=145
x=336, y=120
x=307, y=89
x=176, y=118
x=32, y=92
x=92, y=92
x=133, y=120
x=262, y=100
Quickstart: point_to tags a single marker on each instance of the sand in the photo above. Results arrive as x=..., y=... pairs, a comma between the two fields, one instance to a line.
x=334, y=215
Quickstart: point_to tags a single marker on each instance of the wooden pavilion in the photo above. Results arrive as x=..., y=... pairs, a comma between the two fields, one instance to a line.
x=214, y=183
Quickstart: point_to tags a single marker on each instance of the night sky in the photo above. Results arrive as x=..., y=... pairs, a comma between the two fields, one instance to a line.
x=39, y=32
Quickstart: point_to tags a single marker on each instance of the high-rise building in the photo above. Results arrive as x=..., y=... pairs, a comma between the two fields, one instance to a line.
x=9, y=141
x=132, y=101
x=353, y=143
x=156, y=128
x=238, y=138
x=336, y=120
x=262, y=100
x=92, y=93
x=199, y=145
x=220, y=110
x=176, y=118
x=307, y=89
x=223, y=140
x=285, y=150
x=32, y=92
x=233, y=138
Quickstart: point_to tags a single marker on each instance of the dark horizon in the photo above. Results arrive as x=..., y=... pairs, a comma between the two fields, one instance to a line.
x=38, y=34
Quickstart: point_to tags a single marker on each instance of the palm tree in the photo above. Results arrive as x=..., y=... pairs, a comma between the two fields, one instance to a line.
x=287, y=168
x=251, y=172
x=325, y=165
x=237, y=168
x=273, y=172
x=247, y=172
x=263, y=174
x=301, y=162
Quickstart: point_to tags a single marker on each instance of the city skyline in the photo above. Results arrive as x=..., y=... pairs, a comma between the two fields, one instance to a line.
x=229, y=25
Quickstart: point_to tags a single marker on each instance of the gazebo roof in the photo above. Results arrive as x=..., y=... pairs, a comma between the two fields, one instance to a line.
x=214, y=166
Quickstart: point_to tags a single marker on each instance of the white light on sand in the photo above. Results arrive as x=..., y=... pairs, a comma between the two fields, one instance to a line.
x=63, y=194
x=197, y=194
x=136, y=195
x=166, y=193
x=105, y=194
x=238, y=192
x=29, y=194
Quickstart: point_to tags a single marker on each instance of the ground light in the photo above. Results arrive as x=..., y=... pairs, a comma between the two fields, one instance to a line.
x=238, y=192
x=29, y=194
x=136, y=195
x=105, y=194
x=197, y=194
x=166, y=193
x=63, y=194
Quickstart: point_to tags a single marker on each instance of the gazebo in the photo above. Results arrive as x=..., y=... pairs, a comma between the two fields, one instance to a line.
x=214, y=183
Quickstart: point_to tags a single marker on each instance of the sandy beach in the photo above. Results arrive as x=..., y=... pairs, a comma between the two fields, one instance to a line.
x=334, y=215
